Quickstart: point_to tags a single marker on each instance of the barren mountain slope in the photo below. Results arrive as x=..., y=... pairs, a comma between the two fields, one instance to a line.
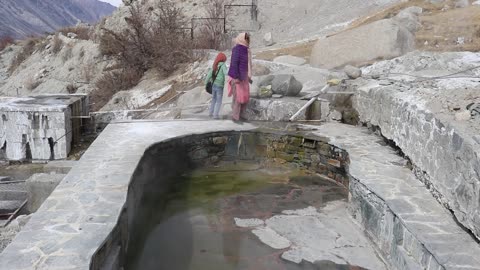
x=21, y=18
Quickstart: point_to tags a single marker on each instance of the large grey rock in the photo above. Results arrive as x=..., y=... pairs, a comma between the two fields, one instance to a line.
x=39, y=187
x=260, y=70
x=286, y=85
x=291, y=60
x=353, y=72
x=384, y=39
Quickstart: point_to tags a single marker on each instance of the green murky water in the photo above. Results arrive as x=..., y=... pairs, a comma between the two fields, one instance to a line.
x=196, y=228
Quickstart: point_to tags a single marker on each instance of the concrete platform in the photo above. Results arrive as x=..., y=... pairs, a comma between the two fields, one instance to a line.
x=404, y=222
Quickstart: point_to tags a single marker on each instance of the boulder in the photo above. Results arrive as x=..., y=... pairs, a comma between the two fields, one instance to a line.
x=384, y=39
x=290, y=60
x=194, y=97
x=265, y=80
x=260, y=70
x=286, y=85
x=353, y=72
x=408, y=18
x=268, y=39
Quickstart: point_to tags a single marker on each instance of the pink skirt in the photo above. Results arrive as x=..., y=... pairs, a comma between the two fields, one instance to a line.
x=241, y=89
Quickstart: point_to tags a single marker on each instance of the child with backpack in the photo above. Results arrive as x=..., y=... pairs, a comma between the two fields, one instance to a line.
x=215, y=83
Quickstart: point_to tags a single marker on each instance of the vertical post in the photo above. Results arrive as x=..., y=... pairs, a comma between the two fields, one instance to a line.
x=254, y=10
x=225, y=19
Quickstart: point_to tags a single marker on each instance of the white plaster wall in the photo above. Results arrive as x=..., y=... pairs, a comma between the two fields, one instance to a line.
x=35, y=128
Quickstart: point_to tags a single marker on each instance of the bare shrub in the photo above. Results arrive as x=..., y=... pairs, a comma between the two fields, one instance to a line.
x=82, y=32
x=57, y=44
x=112, y=82
x=88, y=72
x=82, y=53
x=72, y=88
x=5, y=41
x=32, y=84
x=212, y=33
x=154, y=39
x=68, y=53
x=26, y=51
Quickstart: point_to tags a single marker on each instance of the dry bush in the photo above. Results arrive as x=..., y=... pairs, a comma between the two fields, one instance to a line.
x=5, y=41
x=112, y=82
x=82, y=32
x=88, y=72
x=27, y=50
x=154, y=39
x=82, y=53
x=72, y=88
x=32, y=84
x=211, y=34
x=57, y=44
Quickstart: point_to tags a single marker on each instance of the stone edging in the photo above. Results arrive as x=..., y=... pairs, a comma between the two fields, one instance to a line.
x=448, y=158
x=407, y=225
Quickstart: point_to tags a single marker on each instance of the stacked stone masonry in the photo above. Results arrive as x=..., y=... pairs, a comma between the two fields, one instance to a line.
x=446, y=158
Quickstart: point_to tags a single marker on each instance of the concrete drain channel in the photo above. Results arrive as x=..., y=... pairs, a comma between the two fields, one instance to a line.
x=234, y=196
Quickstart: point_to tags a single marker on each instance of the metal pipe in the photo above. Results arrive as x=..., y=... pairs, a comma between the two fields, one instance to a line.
x=308, y=103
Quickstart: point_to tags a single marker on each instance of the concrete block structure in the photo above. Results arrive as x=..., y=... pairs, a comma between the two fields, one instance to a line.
x=40, y=127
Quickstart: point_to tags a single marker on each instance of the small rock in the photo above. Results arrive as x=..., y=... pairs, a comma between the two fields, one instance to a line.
x=477, y=3
x=460, y=40
x=268, y=39
x=463, y=116
x=5, y=178
x=72, y=35
x=265, y=92
x=220, y=140
x=249, y=223
x=353, y=72
x=335, y=116
x=277, y=96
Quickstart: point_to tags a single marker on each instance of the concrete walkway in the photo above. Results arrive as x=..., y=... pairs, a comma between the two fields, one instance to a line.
x=80, y=214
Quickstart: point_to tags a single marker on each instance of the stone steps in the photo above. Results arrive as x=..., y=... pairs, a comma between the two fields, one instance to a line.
x=401, y=217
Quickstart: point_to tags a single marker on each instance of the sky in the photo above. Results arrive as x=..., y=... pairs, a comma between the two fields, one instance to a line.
x=113, y=2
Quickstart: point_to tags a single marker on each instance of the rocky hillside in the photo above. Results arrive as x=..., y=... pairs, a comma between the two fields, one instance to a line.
x=21, y=18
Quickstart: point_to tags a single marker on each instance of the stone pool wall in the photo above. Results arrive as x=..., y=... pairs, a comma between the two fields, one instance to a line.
x=164, y=162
